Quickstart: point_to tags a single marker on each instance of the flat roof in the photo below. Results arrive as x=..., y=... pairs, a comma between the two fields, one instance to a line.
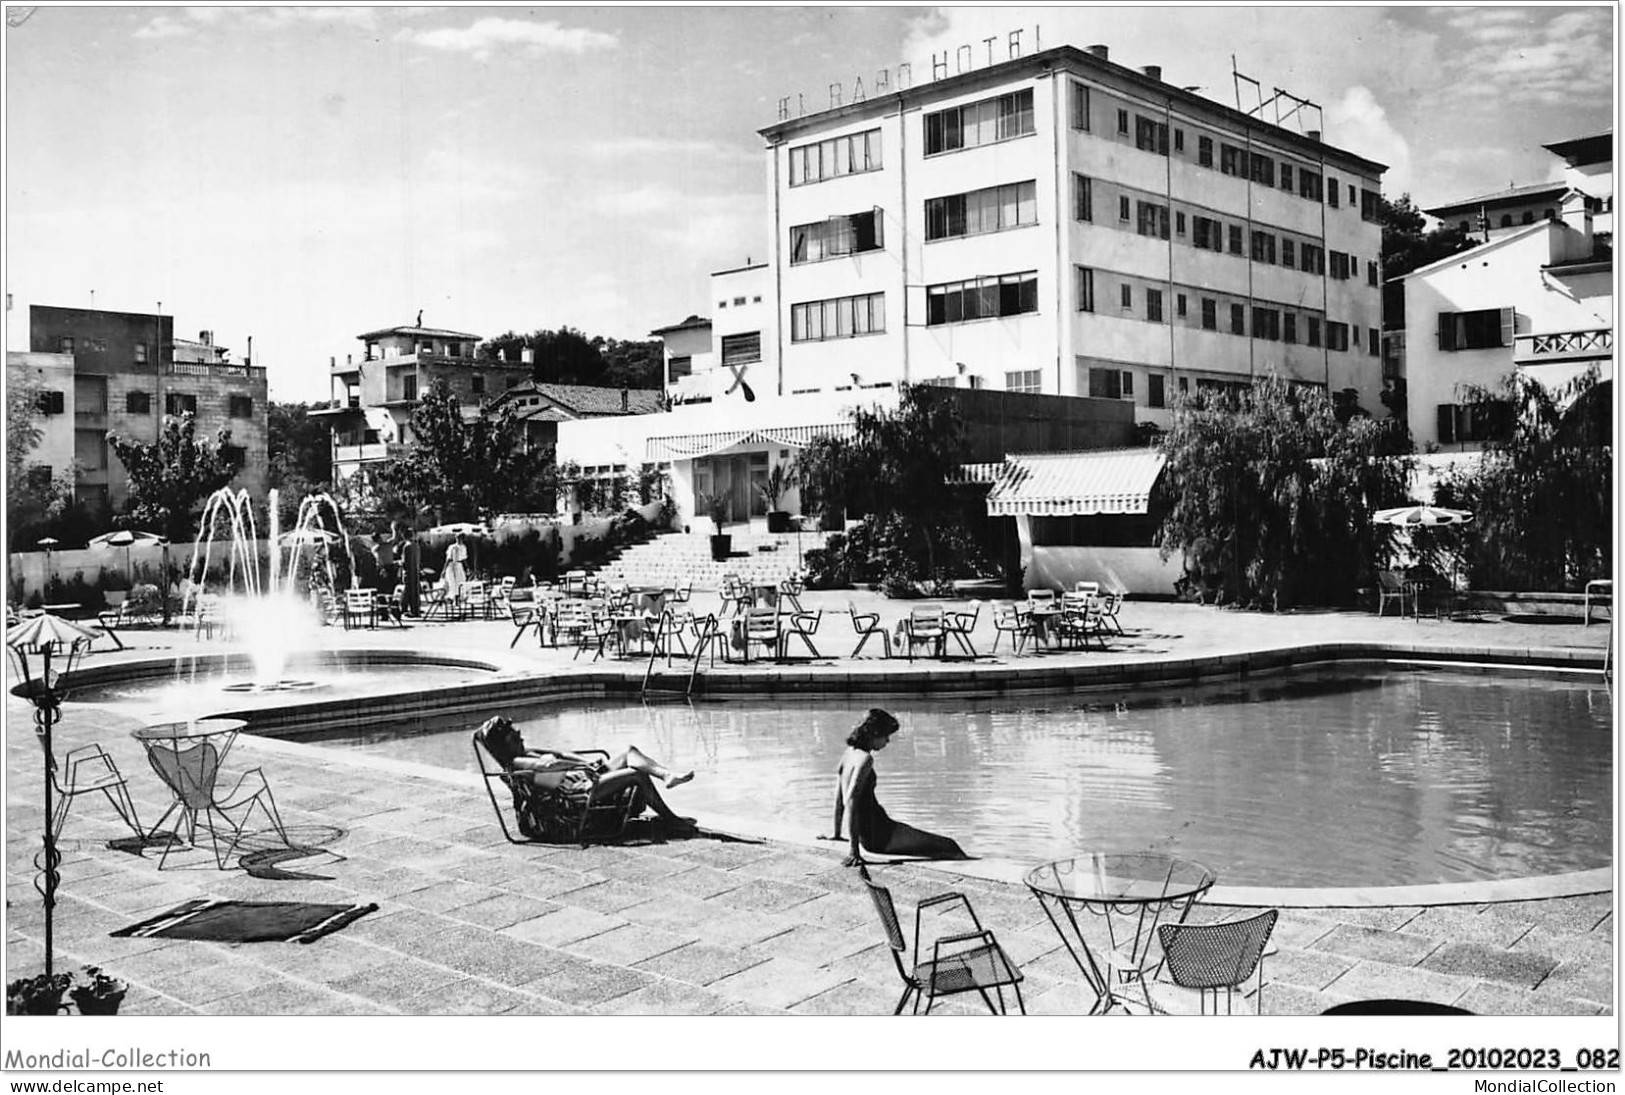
x=431, y=332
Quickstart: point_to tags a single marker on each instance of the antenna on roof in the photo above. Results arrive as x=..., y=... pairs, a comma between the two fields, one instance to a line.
x=1280, y=93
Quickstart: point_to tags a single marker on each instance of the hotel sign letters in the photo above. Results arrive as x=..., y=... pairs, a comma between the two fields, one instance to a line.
x=966, y=58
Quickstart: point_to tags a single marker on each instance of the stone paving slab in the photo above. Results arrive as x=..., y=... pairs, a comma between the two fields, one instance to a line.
x=469, y=924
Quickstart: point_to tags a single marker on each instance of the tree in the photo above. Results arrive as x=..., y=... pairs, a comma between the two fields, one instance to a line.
x=1407, y=242
x=1542, y=495
x=169, y=476
x=299, y=456
x=1270, y=497
x=567, y=356
x=463, y=469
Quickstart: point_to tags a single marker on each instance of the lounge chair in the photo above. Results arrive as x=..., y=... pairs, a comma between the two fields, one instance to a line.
x=553, y=817
x=968, y=962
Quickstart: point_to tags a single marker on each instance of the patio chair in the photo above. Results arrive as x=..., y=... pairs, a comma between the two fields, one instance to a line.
x=1008, y=619
x=359, y=604
x=968, y=962
x=89, y=770
x=710, y=635
x=192, y=774
x=474, y=600
x=790, y=590
x=867, y=625
x=1080, y=620
x=1040, y=598
x=1110, y=604
x=1214, y=957
x=570, y=619
x=553, y=817
x=595, y=630
x=526, y=614
x=803, y=626
x=1091, y=588
x=437, y=604
x=666, y=631
x=760, y=627
x=682, y=592
x=109, y=621
x=736, y=595
x=925, y=625
x=960, y=625
x=1391, y=587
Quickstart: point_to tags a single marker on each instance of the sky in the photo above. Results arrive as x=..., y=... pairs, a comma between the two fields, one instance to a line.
x=299, y=175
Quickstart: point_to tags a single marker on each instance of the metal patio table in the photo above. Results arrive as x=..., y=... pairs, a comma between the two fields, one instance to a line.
x=1131, y=892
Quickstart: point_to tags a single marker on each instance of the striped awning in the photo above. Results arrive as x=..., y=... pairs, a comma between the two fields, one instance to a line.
x=687, y=446
x=1075, y=484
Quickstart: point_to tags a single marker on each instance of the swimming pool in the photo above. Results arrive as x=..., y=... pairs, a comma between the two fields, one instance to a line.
x=1363, y=775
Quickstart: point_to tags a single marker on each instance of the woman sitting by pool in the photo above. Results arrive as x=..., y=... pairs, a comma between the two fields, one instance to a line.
x=564, y=773
x=868, y=823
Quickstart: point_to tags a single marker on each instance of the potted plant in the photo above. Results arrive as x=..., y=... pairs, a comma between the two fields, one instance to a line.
x=97, y=993
x=779, y=481
x=716, y=507
x=37, y=995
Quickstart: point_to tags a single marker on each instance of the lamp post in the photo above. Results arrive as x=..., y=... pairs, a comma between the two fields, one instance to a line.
x=34, y=645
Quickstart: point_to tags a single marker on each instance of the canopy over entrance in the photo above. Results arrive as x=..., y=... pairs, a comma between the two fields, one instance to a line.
x=1075, y=484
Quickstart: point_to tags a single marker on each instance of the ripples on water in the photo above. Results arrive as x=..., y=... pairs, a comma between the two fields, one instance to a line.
x=1359, y=776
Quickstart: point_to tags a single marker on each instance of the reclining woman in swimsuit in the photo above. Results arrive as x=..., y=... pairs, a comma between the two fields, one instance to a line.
x=572, y=773
x=868, y=824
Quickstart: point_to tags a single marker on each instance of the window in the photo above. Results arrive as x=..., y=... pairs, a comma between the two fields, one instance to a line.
x=1549, y=214
x=477, y=384
x=1086, y=289
x=1122, y=122
x=1289, y=327
x=1488, y=421
x=1331, y=191
x=1308, y=184
x=1371, y=274
x=1263, y=169
x=64, y=345
x=1312, y=258
x=1337, y=335
x=235, y=456
x=849, y=155
x=843, y=235
x=1263, y=246
x=1481, y=330
x=1179, y=224
x=1231, y=159
x=742, y=349
x=981, y=298
x=1373, y=342
x=1340, y=265
x=1204, y=151
x=140, y=353
x=991, y=120
x=1083, y=198
x=991, y=210
x=1179, y=140
x=1151, y=219
x=1266, y=324
x=1179, y=305
x=409, y=388
x=1369, y=202
x=1235, y=239
x=1024, y=380
x=1289, y=259
x=1351, y=196
x=1210, y=314
x=1238, y=319
x=1528, y=216
x=680, y=366
x=137, y=402
x=1313, y=338
x=1184, y=385
x=51, y=402
x=1506, y=220
x=739, y=302
x=1122, y=208
x=1286, y=177
x=1153, y=305
x=242, y=406
x=176, y=403
x=1126, y=294
x=1207, y=233
x=1150, y=135
x=1156, y=390
x=838, y=317
x=1080, y=106
x=1111, y=384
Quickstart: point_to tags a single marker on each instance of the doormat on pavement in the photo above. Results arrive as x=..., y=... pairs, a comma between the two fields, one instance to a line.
x=248, y=921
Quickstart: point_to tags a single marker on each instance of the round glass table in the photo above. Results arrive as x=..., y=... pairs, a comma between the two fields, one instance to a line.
x=1131, y=892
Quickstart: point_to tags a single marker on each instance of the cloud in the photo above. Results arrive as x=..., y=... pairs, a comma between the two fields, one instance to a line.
x=1363, y=127
x=171, y=26
x=164, y=26
x=669, y=149
x=481, y=38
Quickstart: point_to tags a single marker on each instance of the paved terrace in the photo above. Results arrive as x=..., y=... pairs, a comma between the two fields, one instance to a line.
x=751, y=918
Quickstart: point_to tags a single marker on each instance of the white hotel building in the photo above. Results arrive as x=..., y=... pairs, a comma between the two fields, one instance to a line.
x=1056, y=223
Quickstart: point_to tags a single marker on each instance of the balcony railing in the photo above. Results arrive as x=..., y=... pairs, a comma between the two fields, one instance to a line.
x=362, y=454
x=1557, y=346
x=205, y=368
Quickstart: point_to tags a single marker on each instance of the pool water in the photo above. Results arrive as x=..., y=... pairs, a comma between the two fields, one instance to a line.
x=1364, y=775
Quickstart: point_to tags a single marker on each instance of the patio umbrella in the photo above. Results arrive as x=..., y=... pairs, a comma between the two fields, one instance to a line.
x=307, y=535
x=45, y=630
x=1421, y=514
x=125, y=538
x=467, y=528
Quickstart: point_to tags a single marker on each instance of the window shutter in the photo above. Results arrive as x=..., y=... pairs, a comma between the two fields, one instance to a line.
x=1447, y=330
x=1509, y=325
x=1447, y=423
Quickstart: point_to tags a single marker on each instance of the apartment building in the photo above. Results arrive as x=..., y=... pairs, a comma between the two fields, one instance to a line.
x=128, y=370
x=1537, y=297
x=1065, y=225
x=373, y=397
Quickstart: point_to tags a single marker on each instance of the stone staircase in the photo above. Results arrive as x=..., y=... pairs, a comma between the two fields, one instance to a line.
x=676, y=557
